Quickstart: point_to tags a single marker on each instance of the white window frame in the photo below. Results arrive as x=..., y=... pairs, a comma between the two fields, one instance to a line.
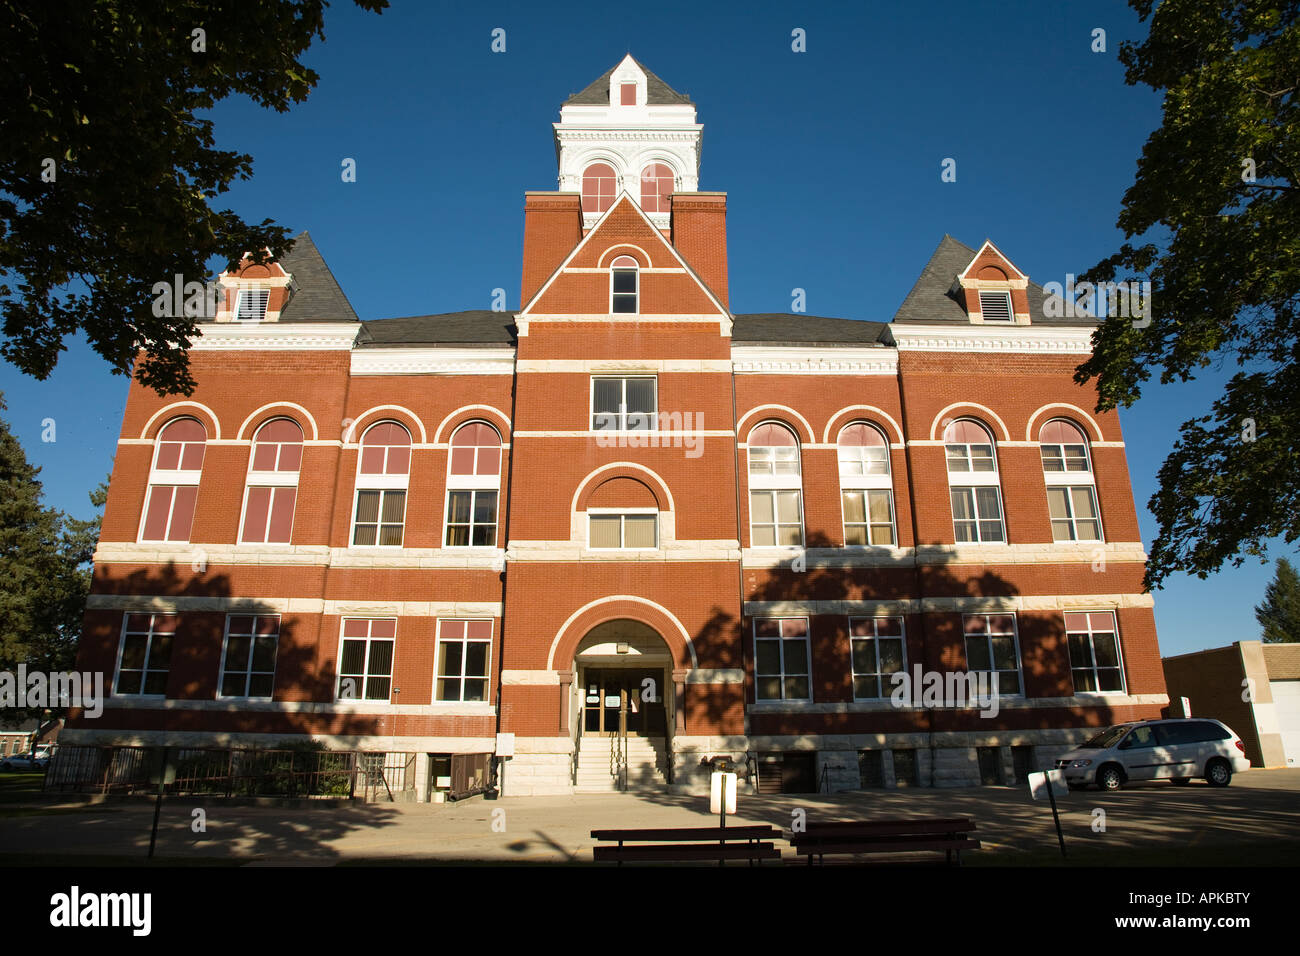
x=1119, y=653
x=1015, y=644
x=464, y=642
x=248, y=674
x=144, y=670
x=1069, y=480
x=901, y=637
x=622, y=513
x=867, y=483
x=771, y=483
x=366, y=482
x=365, y=672
x=807, y=641
x=166, y=477
x=475, y=484
x=272, y=480
x=252, y=291
x=968, y=481
x=622, y=413
x=636, y=294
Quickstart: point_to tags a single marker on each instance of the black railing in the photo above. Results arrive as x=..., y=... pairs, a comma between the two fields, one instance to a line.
x=309, y=774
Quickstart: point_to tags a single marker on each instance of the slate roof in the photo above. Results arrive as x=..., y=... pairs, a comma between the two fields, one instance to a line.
x=781, y=328
x=931, y=300
x=317, y=296
x=658, y=93
x=477, y=327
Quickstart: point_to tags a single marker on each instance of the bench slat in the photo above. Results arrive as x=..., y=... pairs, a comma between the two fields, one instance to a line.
x=688, y=851
x=867, y=827
x=689, y=833
x=818, y=849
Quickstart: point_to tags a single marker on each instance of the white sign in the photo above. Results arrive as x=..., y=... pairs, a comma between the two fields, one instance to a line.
x=722, y=786
x=1038, y=784
x=505, y=745
x=1187, y=706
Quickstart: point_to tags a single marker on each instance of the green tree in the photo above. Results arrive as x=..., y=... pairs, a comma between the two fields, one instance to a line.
x=1279, y=614
x=107, y=166
x=44, y=569
x=1213, y=223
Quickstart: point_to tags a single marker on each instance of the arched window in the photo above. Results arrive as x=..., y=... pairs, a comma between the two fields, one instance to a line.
x=623, y=283
x=622, y=514
x=1071, y=489
x=775, y=490
x=973, y=483
x=174, y=481
x=599, y=186
x=656, y=186
x=473, y=486
x=383, y=472
x=866, y=492
x=272, y=485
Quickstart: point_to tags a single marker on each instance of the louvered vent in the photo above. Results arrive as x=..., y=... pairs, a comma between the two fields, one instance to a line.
x=996, y=306
x=252, y=305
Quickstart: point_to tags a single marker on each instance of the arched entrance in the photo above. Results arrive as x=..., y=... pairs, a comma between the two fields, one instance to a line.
x=623, y=669
x=622, y=708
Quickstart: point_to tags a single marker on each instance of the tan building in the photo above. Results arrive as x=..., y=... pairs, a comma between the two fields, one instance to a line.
x=1252, y=687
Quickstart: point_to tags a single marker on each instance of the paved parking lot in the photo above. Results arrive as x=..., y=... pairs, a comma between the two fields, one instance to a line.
x=1255, y=821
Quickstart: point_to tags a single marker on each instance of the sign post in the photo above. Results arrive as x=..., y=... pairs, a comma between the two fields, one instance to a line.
x=1050, y=784
x=722, y=794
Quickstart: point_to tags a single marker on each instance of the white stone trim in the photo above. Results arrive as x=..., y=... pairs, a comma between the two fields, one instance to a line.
x=176, y=409
x=1054, y=340
x=716, y=675
x=1004, y=703
x=938, y=419
x=766, y=411
x=1083, y=552
x=433, y=361
x=241, y=438
x=624, y=365
x=187, y=603
x=853, y=413
x=776, y=360
x=276, y=336
x=990, y=603
x=248, y=705
x=609, y=599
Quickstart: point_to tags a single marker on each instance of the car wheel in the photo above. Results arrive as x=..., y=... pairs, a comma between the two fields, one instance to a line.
x=1182, y=781
x=1110, y=777
x=1218, y=773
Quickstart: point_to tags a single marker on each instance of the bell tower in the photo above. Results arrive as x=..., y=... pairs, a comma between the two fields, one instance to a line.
x=628, y=132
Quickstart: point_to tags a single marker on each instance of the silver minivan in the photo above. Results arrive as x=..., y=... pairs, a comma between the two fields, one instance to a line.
x=1178, y=750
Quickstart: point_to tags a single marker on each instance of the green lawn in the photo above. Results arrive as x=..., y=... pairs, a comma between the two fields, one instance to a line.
x=20, y=786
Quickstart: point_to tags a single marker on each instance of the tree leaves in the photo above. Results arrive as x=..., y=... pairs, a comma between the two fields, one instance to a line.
x=110, y=92
x=1216, y=205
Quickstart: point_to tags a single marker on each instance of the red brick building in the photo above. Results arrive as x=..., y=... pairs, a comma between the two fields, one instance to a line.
x=625, y=507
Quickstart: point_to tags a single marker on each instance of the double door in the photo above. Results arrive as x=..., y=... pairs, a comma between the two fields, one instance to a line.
x=612, y=697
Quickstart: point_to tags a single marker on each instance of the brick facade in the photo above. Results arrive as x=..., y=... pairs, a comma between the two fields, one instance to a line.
x=685, y=607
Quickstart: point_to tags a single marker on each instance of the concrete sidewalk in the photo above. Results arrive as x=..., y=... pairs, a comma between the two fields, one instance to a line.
x=1260, y=808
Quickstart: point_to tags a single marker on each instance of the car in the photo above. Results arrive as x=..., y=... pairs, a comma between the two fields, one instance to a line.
x=1177, y=749
x=27, y=761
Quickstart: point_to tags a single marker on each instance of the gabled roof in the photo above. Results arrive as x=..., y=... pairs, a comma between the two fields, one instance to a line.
x=932, y=300
x=477, y=327
x=781, y=328
x=658, y=93
x=317, y=296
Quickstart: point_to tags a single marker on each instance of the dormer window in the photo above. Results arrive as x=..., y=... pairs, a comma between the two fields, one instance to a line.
x=623, y=285
x=627, y=94
x=995, y=306
x=251, y=305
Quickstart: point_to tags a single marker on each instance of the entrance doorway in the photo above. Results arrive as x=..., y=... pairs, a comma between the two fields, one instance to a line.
x=614, y=697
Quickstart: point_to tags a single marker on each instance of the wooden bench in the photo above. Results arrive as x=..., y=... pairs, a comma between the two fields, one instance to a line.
x=688, y=845
x=885, y=836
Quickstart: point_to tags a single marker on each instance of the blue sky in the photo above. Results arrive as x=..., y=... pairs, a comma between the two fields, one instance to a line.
x=831, y=159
